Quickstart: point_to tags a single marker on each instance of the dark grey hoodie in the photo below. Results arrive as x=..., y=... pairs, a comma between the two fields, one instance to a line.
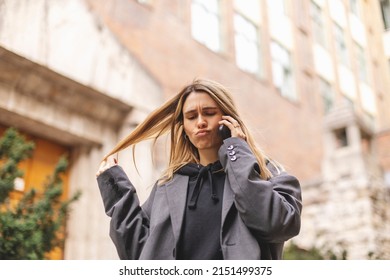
x=200, y=236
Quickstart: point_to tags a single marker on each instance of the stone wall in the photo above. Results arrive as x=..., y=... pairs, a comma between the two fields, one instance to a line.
x=347, y=210
x=65, y=77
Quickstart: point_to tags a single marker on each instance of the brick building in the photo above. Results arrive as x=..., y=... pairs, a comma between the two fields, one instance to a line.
x=309, y=76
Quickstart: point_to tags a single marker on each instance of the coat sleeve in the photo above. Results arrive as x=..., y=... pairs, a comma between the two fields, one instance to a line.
x=271, y=209
x=129, y=225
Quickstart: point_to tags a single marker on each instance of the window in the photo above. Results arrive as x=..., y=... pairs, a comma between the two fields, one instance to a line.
x=327, y=95
x=246, y=38
x=385, y=7
x=354, y=7
x=277, y=6
x=318, y=24
x=250, y=9
x=341, y=47
x=368, y=100
x=282, y=71
x=361, y=63
x=205, y=23
x=341, y=137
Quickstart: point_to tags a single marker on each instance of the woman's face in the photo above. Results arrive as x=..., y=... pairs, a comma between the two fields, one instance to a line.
x=201, y=116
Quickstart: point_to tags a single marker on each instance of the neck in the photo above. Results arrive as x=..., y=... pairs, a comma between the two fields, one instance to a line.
x=208, y=156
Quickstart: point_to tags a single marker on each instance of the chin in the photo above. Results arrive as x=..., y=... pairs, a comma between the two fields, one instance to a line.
x=206, y=146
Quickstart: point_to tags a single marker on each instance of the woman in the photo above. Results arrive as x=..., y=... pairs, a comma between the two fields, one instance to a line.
x=218, y=199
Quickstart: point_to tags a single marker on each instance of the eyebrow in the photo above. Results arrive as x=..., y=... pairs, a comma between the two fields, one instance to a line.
x=203, y=109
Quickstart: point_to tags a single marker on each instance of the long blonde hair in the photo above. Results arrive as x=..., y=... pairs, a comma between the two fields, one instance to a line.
x=169, y=119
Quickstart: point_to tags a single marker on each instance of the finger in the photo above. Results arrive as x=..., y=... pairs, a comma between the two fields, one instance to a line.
x=228, y=118
x=231, y=120
x=102, y=164
x=227, y=123
x=234, y=126
x=106, y=164
x=101, y=167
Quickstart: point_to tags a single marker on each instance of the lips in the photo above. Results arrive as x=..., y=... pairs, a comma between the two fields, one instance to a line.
x=202, y=132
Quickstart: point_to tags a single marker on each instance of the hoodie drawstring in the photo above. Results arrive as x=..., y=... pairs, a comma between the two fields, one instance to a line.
x=198, y=186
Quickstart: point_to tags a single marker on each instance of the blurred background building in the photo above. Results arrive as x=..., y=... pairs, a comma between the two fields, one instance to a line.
x=311, y=78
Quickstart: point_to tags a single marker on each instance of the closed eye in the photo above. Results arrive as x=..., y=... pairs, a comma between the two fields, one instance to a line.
x=190, y=117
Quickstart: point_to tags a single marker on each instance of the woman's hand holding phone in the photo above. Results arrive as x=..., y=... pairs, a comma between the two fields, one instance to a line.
x=229, y=127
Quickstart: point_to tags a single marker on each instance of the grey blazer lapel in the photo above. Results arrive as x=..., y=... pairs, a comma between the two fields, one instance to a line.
x=177, y=197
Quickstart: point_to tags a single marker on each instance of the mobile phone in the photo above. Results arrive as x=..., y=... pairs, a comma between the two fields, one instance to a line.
x=224, y=132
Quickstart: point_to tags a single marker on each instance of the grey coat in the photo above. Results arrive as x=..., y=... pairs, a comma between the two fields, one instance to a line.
x=257, y=215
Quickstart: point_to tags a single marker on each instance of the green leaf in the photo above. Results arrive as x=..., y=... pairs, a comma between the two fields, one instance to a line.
x=35, y=225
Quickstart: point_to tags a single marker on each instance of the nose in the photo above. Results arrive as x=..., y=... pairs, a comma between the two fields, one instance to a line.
x=201, y=122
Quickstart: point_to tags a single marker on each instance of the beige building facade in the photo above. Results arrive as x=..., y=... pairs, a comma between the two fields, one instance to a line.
x=310, y=77
x=64, y=77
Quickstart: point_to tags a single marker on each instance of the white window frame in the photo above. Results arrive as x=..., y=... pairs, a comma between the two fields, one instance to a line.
x=317, y=18
x=277, y=7
x=340, y=44
x=354, y=7
x=247, y=39
x=282, y=71
x=206, y=23
x=327, y=95
x=361, y=63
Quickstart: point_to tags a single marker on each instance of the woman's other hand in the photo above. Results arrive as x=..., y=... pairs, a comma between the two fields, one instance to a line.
x=106, y=164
